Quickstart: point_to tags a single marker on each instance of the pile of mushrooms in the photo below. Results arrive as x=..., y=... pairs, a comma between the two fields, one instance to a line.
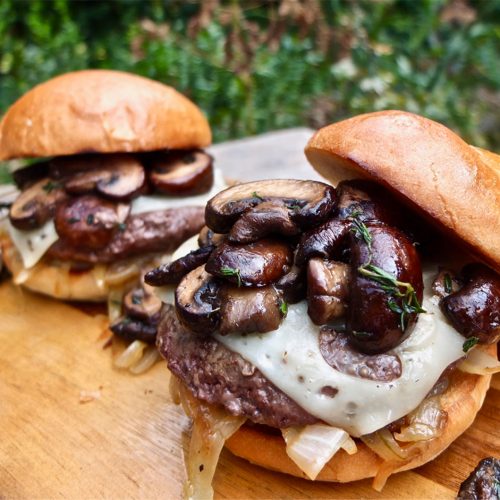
x=89, y=195
x=349, y=251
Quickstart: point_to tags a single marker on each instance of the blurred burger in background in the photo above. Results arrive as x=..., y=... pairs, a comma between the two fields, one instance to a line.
x=119, y=181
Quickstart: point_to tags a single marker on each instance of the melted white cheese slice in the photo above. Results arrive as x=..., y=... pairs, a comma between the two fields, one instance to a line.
x=144, y=204
x=290, y=358
x=34, y=243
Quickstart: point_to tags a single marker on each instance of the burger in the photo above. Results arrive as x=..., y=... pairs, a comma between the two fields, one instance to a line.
x=340, y=331
x=113, y=179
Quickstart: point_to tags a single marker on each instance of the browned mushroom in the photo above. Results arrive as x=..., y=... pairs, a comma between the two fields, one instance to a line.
x=142, y=304
x=309, y=202
x=172, y=273
x=197, y=301
x=337, y=352
x=268, y=217
x=368, y=201
x=292, y=285
x=26, y=176
x=327, y=290
x=36, y=205
x=208, y=237
x=249, y=310
x=88, y=221
x=325, y=241
x=117, y=176
x=474, y=310
x=386, y=289
x=181, y=173
x=132, y=329
x=256, y=264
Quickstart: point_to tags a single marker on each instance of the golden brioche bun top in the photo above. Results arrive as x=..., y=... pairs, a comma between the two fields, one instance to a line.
x=451, y=183
x=100, y=111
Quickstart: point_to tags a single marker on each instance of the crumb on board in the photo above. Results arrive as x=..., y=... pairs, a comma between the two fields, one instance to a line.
x=89, y=396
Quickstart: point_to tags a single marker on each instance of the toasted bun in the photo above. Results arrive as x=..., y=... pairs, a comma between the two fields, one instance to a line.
x=100, y=111
x=428, y=166
x=53, y=280
x=461, y=401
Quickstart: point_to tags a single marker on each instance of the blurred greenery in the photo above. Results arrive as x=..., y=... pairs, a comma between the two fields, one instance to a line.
x=257, y=66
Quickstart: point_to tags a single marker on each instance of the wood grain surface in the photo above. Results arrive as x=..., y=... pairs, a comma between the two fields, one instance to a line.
x=128, y=440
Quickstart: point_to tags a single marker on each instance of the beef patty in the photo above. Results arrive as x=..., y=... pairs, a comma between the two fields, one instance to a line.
x=218, y=376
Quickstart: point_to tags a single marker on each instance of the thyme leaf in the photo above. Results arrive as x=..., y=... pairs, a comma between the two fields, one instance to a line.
x=470, y=343
x=50, y=186
x=408, y=303
x=283, y=308
x=230, y=271
x=448, y=286
x=256, y=195
x=360, y=230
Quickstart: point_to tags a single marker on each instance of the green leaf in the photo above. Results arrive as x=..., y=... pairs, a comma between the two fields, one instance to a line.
x=470, y=343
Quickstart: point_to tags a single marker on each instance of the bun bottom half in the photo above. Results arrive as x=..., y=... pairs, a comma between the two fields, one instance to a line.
x=55, y=280
x=462, y=400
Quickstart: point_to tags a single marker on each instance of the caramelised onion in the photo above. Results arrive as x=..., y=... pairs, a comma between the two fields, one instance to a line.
x=480, y=362
x=312, y=446
x=382, y=443
x=121, y=271
x=426, y=422
x=212, y=426
x=115, y=298
x=149, y=357
x=131, y=355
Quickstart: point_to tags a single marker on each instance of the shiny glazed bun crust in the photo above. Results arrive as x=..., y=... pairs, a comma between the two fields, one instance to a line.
x=100, y=111
x=461, y=401
x=451, y=183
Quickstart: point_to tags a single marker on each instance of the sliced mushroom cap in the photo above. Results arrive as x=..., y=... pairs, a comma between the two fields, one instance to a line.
x=88, y=221
x=474, y=310
x=173, y=272
x=142, y=304
x=325, y=241
x=208, y=237
x=268, y=217
x=25, y=177
x=310, y=202
x=181, y=173
x=36, y=205
x=249, y=310
x=327, y=290
x=292, y=285
x=132, y=329
x=117, y=176
x=256, y=264
x=197, y=301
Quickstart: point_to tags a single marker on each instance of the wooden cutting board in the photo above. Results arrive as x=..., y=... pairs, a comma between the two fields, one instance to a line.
x=128, y=440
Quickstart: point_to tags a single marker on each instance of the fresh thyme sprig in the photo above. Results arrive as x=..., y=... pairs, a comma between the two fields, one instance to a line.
x=230, y=271
x=256, y=195
x=409, y=303
x=360, y=230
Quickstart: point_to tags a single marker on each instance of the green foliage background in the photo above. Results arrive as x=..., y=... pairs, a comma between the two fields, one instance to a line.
x=256, y=66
